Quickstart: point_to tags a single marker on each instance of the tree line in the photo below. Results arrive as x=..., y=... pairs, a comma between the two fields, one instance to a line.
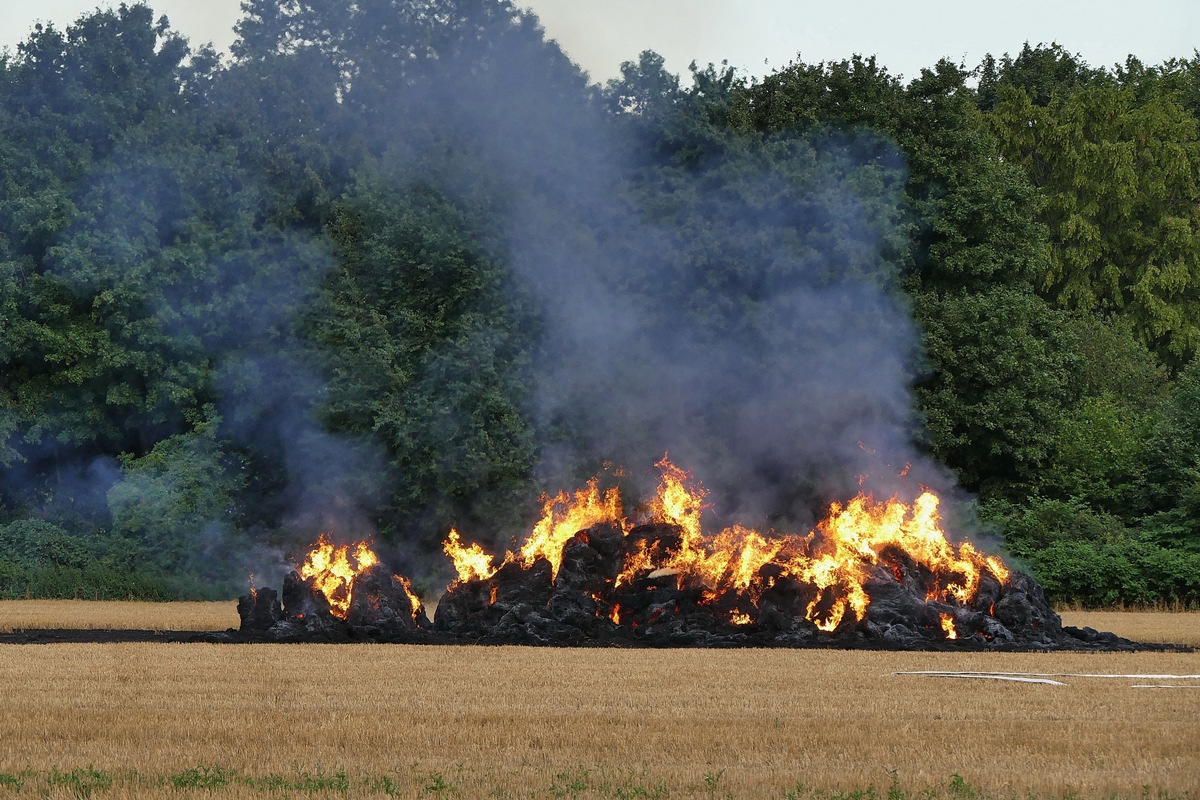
x=244, y=299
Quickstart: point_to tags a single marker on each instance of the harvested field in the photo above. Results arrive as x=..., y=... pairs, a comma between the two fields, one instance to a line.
x=117, y=615
x=1175, y=627
x=1142, y=626
x=192, y=720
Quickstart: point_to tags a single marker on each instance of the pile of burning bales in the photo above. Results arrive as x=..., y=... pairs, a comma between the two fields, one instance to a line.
x=871, y=574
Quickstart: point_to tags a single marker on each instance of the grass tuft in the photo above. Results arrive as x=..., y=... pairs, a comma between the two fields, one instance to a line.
x=81, y=782
x=203, y=778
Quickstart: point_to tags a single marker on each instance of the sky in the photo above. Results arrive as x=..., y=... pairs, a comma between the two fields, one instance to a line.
x=760, y=36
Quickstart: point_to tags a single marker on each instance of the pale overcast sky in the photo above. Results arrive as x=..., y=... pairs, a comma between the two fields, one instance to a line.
x=758, y=36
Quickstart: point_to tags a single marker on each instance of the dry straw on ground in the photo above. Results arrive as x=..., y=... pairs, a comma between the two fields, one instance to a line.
x=1148, y=626
x=377, y=721
x=1181, y=627
x=120, y=615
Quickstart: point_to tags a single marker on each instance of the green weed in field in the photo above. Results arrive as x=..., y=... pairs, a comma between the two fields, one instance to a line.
x=581, y=782
x=203, y=778
x=302, y=781
x=570, y=784
x=711, y=781
x=81, y=782
x=434, y=785
x=385, y=785
x=15, y=781
x=960, y=789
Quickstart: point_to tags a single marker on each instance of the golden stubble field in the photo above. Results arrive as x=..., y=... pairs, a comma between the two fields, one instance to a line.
x=195, y=720
x=117, y=614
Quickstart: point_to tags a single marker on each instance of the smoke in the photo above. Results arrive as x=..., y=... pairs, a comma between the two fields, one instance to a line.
x=777, y=380
x=197, y=364
x=729, y=300
x=314, y=482
x=734, y=303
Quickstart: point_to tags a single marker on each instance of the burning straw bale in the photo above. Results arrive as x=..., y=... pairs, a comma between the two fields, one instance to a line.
x=872, y=575
x=368, y=602
x=523, y=605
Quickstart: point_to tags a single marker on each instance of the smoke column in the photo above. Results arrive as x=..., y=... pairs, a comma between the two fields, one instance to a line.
x=738, y=310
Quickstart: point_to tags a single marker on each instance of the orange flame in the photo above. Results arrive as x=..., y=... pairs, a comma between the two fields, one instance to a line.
x=836, y=559
x=948, y=626
x=471, y=563
x=565, y=515
x=333, y=570
x=679, y=501
x=412, y=597
x=854, y=537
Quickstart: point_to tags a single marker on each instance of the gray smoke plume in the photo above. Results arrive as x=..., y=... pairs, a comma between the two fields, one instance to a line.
x=736, y=307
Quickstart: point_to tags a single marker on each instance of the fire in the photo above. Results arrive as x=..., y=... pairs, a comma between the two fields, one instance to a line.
x=412, y=597
x=853, y=538
x=679, y=501
x=333, y=570
x=565, y=515
x=948, y=626
x=834, y=561
x=471, y=563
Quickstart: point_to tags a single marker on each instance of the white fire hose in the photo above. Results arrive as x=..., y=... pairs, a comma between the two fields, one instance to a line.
x=1048, y=677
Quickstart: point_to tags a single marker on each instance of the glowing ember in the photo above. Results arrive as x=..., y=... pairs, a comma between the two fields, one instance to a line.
x=333, y=569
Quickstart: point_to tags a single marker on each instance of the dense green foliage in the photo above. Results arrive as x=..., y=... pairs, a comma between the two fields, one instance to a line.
x=393, y=270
